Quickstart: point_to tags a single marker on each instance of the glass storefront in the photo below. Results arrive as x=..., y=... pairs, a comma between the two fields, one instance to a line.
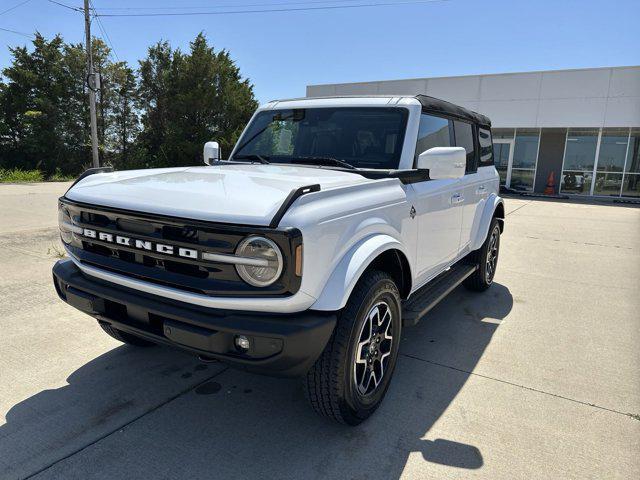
x=603, y=162
x=579, y=159
x=501, y=153
x=631, y=179
x=525, y=156
x=515, y=156
x=611, y=158
x=596, y=161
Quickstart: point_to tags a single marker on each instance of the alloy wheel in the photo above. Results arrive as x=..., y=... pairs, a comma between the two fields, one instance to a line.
x=374, y=348
x=492, y=254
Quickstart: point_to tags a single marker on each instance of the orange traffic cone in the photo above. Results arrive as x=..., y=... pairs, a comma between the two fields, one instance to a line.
x=551, y=184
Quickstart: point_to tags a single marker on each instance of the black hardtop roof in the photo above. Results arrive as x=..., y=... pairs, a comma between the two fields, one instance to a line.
x=430, y=104
x=436, y=105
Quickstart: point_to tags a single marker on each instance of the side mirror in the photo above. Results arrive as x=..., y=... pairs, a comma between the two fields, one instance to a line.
x=443, y=162
x=211, y=152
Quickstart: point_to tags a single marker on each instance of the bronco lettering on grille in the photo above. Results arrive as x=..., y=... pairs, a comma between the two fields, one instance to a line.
x=141, y=244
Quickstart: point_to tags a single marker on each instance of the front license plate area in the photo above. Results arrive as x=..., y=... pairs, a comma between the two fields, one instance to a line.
x=85, y=301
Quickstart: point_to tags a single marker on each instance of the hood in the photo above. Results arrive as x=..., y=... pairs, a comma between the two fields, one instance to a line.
x=242, y=194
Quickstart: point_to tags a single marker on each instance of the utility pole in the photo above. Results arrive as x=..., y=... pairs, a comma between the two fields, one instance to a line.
x=91, y=84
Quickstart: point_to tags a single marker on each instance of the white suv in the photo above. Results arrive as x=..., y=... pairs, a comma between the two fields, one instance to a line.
x=334, y=223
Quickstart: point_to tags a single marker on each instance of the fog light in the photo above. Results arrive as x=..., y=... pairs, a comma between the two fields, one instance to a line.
x=242, y=343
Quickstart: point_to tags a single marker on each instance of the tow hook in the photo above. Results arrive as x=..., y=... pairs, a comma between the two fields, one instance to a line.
x=204, y=359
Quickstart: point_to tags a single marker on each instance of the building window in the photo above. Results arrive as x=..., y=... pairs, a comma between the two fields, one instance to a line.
x=611, y=158
x=525, y=156
x=501, y=152
x=579, y=160
x=464, y=138
x=433, y=132
x=631, y=180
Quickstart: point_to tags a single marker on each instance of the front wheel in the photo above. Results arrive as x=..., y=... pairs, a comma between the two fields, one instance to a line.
x=487, y=259
x=349, y=380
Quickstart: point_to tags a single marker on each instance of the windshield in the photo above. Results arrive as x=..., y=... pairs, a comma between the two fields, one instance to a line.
x=362, y=137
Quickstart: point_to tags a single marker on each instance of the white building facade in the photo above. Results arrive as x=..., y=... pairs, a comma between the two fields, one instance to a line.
x=579, y=127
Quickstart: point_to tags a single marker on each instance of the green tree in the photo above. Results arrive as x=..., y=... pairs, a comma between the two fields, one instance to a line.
x=31, y=103
x=43, y=107
x=160, y=115
x=120, y=109
x=154, y=73
x=189, y=99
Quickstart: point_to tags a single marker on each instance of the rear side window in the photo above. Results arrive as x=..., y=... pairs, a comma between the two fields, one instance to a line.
x=464, y=138
x=486, y=147
x=433, y=132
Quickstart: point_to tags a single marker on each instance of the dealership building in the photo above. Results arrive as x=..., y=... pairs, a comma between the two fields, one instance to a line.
x=581, y=125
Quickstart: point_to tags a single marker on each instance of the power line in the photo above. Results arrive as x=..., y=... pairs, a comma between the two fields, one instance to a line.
x=14, y=7
x=267, y=10
x=24, y=34
x=70, y=7
x=104, y=31
x=234, y=4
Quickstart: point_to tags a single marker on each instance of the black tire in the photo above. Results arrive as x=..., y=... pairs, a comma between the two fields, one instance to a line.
x=125, y=337
x=482, y=278
x=333, y=384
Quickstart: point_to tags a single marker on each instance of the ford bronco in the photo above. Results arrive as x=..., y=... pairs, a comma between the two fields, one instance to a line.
x=334, y=224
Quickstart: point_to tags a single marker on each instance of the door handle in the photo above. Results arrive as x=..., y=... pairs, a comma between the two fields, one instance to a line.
x=457, y=198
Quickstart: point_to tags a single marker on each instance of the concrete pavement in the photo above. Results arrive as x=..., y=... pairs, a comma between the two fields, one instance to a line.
x=535, y=378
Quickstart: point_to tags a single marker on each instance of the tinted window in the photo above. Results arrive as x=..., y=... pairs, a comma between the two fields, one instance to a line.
x=526, y=148
x=633, y=153
x=365, y=137
x=613, y=149
x=464, y=138
x=486, y=147
x=433, y=132
x=580, y=152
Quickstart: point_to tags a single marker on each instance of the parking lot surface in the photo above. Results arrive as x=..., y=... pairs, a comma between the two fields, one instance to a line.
x=535, y=378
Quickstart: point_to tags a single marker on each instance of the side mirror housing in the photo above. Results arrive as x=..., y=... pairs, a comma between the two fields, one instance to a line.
x=211, y=152
x=443, y=162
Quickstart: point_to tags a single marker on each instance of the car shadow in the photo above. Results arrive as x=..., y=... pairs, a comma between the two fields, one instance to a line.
x=139, y=408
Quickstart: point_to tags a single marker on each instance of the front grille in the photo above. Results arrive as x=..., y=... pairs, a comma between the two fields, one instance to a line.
x=188, y=274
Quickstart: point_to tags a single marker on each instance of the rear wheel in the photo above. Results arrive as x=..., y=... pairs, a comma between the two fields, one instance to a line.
x=125, y=337
x=487, y=259
x=349, y=380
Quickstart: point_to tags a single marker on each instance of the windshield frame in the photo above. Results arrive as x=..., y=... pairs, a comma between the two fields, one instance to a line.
x=246, y=135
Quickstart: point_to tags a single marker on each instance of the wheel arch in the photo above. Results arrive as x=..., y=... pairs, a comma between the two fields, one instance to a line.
x=395, y=263
x=381, y=252
x=499, y=213
x=493, y=207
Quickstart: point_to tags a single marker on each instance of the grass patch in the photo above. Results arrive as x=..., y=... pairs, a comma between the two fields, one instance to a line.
x=56, y=252
x=20, y=176
x=16, y=176
x=61, y=177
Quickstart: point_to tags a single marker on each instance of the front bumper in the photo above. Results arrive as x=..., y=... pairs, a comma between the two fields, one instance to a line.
x=281, y=344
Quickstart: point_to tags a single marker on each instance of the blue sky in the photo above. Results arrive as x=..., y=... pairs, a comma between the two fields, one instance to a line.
x=282, y=52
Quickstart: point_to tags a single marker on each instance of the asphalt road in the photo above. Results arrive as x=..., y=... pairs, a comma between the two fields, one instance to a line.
x=535, y=378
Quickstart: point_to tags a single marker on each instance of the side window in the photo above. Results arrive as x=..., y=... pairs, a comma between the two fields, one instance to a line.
x=464, y=138
x=486, y=147
x=433, y=132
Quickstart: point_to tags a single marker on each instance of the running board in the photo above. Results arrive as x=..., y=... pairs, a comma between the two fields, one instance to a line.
x=430, y=295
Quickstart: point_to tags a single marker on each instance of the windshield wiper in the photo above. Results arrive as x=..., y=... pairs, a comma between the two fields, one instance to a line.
x=253, y=156
x=324, y=161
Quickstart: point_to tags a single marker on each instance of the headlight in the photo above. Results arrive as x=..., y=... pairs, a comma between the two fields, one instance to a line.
x=65, y=224
x=261, y=261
